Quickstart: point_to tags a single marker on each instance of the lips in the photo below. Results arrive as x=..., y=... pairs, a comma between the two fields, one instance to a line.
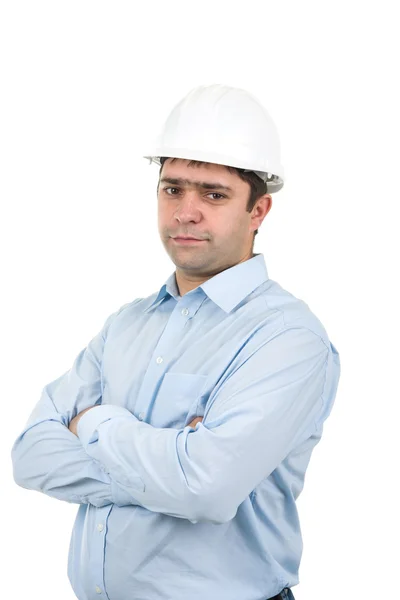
x=186, y=242
x=179, y=237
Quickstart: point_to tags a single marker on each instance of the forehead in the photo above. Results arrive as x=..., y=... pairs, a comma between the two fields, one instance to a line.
x=203, y=175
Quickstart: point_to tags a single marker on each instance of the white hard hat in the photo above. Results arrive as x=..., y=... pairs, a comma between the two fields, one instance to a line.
x=223, y=125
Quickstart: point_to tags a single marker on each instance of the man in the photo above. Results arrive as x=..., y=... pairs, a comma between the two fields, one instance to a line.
x=185, y=427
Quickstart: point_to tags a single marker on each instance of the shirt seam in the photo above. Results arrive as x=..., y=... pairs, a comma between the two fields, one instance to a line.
x=286, y=324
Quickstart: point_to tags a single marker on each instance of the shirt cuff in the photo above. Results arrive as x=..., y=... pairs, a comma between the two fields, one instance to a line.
x=88, y=423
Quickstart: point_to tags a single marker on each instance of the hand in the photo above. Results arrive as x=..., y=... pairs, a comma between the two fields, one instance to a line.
x=74, y=423
x=194, y=422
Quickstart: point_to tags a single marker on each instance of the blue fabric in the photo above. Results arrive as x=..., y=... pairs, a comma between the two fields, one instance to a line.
x=171, y=511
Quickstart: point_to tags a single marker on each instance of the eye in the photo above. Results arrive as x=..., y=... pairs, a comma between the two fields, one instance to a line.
x=210, y=194
x=216, y=194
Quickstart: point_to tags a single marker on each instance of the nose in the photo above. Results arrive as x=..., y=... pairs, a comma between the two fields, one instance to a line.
x=188, y=207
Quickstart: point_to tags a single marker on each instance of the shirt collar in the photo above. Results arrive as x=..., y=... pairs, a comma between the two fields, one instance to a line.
x=226, y=289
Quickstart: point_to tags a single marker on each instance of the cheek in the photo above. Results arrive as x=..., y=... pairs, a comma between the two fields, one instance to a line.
x=162, y=216
x=232, y=223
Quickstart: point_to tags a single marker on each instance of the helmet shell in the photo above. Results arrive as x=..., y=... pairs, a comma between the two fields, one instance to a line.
x=223, y=125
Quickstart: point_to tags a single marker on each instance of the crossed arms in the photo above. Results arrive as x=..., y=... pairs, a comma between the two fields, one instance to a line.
x=106, y=455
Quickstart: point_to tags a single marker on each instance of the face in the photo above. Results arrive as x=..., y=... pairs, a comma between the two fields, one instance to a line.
x=209, y=203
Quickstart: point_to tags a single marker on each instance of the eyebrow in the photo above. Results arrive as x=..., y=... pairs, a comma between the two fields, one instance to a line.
x=206, y=185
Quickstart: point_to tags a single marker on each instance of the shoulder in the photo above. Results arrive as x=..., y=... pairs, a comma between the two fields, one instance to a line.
x=294, y=312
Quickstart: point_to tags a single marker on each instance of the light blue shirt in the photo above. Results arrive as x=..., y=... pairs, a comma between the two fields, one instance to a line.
x=168, y=511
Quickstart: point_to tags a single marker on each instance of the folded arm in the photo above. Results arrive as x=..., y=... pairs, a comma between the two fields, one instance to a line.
x=47, y=456
x=272, y=402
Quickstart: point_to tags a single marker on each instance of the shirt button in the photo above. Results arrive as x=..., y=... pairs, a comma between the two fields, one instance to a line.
x=141, y=416
x=100, y=526
x=98, y=590
x=185, y=312
x=160, y=359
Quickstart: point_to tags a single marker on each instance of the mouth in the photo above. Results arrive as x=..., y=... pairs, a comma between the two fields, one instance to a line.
x=187, y=241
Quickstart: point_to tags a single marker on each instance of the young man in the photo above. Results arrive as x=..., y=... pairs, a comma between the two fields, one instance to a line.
x=184, y=429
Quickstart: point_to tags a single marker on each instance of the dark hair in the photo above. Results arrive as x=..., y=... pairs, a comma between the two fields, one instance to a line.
x=257, y=186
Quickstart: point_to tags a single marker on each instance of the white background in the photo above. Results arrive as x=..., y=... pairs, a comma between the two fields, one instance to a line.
x=84, y=88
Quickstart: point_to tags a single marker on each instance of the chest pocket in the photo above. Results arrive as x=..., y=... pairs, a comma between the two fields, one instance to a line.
x=178, y=400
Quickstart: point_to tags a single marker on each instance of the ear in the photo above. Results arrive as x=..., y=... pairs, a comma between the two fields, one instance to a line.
x=261, y=208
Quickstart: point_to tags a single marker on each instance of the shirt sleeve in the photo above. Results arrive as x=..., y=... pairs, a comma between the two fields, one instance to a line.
x=49, y=458
x=264, y=408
